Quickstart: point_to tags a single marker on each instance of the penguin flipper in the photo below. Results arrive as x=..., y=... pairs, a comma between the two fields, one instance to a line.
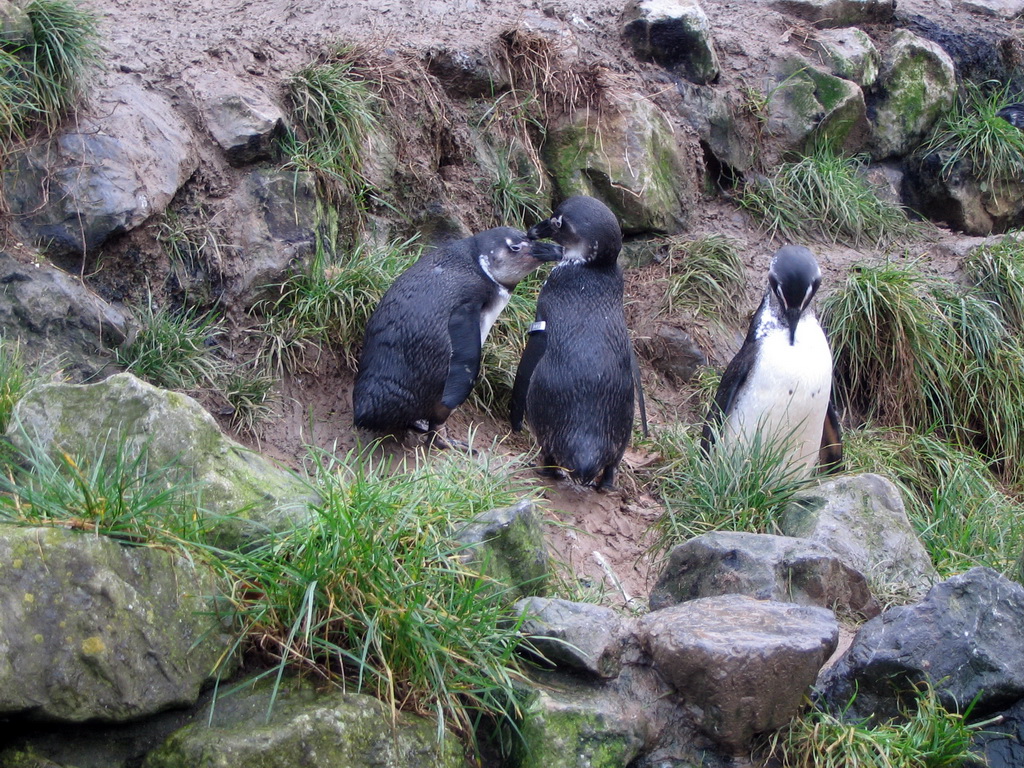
x=536, y=343
x=830, y=457
x=464, y=367
x=735, y=376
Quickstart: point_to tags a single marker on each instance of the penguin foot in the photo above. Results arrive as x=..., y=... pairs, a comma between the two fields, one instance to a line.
x=435, y=441
x=549, y=471
x=607, y=483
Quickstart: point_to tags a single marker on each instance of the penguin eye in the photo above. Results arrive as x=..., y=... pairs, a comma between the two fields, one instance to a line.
x=556, y=222
x=514, y=247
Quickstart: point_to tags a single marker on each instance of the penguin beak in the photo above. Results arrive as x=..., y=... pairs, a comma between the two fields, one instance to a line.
x=792, y=315
x=545, y=251
x=540, y=230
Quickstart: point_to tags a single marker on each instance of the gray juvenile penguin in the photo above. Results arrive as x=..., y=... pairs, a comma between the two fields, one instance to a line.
x=576, y=378
x=421, y=352
x=780, y=381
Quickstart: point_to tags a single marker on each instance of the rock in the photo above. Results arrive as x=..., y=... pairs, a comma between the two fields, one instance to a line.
x=673, y=353
x=960, y=199
x=124, y=162
x=862, y=519
x=1005, y=9
x=966, y=638
x=764, y=567
x=15, y=24
x=508, y=545
x=247, y=126
x=848, y=53
x=886, y=179
x=716, y=117
x=243, y=493
x=330, y=730
x=575, y=725
x=839, y=13
x=744, y=665
x=274, y=224
x=94, y=630
x=466, y=73
x=813, y=106
x=93, y=745
x=56, y=319
x=1000, y=744
x=917, y=84
x=675, y=34
x=627, y=156
x=578, y=636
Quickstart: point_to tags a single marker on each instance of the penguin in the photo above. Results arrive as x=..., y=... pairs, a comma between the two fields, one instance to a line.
x=1013, y=114
x=422, y=347
x=780, y=381
x=576, y=378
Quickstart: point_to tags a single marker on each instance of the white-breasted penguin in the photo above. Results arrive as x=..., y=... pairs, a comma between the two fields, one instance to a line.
x=422, y=347
x=780, y=381
x=576, y=378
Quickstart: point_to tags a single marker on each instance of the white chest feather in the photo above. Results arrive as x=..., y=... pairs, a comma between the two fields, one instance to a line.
x=787, y=392
x=491, y=311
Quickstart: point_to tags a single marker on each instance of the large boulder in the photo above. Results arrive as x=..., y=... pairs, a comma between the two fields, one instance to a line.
x=93, y=630
x=966, y=638
x=125, y=160
x=273, y=221
x=952, y=192
x=574, y=724
x=862, y=519
x=627, y=155
x=814, y=106
x=579, y=636
x=244, y=123
x=242, y=493
x=849, y=53
x=743, y=665
x=765, y=567
x=508, y=545
x=917, y=84
x=293, y=724
x=56, y=319
x=675, y=34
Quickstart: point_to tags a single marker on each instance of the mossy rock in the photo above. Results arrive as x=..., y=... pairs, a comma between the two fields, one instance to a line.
x=242, y=493
x=917, y=85
x=627, y=155
x=305, y=727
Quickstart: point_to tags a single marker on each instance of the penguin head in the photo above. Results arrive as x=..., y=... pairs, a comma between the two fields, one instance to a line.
x=793, y=279
x=507, y=255
x=586, y=228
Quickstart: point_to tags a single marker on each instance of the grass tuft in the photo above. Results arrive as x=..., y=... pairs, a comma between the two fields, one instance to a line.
x=964, y=517
x=338, y=113
x=111, y=492
x=173, y=350
x=998, y=272
x=972, y=134
x=328, y=303
x=64, y=46
x=911, y=351
x=706, y=276
x=375, y=594
x=17, y=377
x=41, y=79
x=826, y=196
x=249, y=391
x=736, y=488
x=927, y=736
